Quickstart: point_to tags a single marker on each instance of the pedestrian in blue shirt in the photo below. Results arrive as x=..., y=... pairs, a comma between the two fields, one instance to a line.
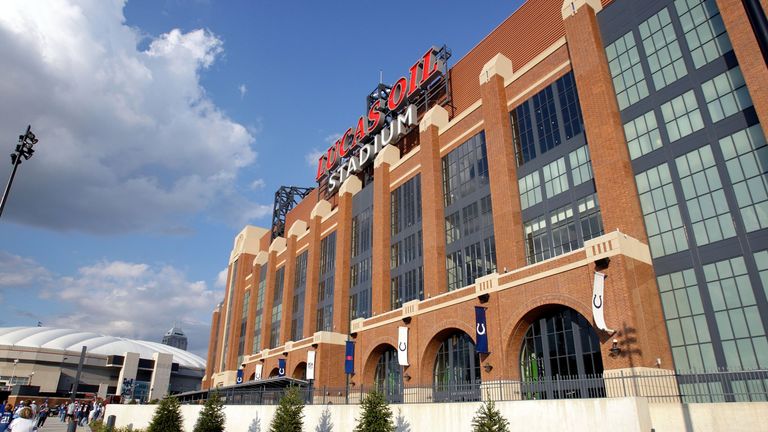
x=6, y=417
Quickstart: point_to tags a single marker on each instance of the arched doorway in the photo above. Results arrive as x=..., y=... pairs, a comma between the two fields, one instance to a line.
x=300, y=372
x=560, y=357
x=457, y=369
x=274, y=373
x=388, y=376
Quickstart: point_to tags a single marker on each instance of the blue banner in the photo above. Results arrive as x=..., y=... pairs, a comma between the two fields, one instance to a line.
x=239, y=376
x=481, y=330
x=281, y=367
x=349, y=358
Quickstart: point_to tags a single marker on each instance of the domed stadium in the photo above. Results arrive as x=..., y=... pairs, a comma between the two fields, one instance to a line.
x=41, y=362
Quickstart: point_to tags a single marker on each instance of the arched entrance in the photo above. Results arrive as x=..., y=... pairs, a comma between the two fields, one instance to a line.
x=457, y=370
x=274, y=373
x=389, y=376
x=300, y=372
x=560, y=357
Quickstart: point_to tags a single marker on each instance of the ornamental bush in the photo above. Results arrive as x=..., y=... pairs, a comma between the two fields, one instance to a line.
x=167, y=417
x=489, y=419
x=212, y=416
x=376, y=415
x=289, y=416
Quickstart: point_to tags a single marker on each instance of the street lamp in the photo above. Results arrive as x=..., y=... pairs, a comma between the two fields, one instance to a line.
x=13, y=375
x=23, y=149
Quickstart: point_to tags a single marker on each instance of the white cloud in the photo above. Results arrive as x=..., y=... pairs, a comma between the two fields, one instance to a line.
x=18, y=272
x=221, y=279
x=243, y=89
x=313, y=156
x=129, y=141
x=258, y=184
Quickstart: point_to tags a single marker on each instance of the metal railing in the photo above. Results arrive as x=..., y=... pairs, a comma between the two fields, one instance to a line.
x=656, y=386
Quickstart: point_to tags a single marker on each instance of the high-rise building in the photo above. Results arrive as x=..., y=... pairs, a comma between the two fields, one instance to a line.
x=175, y=337
x=586, y=195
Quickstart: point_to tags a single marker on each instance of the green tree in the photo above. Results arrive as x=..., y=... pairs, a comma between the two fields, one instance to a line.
x=212, y=416
x=375, y=415
x=489, y=419
x=167, y=417
x=289, y=416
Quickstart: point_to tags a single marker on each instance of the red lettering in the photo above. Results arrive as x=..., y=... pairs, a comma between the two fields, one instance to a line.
x=414, y=79
x=360, y=131
x=320, y=170
x=397, y=96
x=431, y=65
x=340, y=144
x=330, y=161
x=374, y=118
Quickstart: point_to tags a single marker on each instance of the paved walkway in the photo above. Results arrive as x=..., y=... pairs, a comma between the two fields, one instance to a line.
x=54, y=425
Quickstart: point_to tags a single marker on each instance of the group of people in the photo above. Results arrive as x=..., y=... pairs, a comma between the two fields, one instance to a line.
x=27, y=416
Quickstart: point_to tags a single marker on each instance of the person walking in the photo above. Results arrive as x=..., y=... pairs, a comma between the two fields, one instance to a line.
x=25, y=422
x=62, y=412
x=6, y=417
x=71, y=411
x=42, y=415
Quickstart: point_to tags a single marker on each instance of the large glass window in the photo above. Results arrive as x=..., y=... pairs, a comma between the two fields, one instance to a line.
x=522, y=133
x=546, y=120
x=569, y=106
x=457, y=370
x=626, y=70
x=388, y=377
x=259, y=309
x=360, y=265
x=243, y=326
x=581, y=165
x=536, y=240
x=761, y=259
x=665, y=58
x=704, y=196
x=666, y=232
x=555, y=178
x=530, y=190
x=642, y=135
x=736, y=312
x=406, y=251
x=682, y=116
x=704, y=30
x=686, y=323
x=299, y=288
x=746, y=156
x=277, y=308
x=325, y=286
x=465, y=169
x=563, y=228
x=589, y=215
x=726, y=94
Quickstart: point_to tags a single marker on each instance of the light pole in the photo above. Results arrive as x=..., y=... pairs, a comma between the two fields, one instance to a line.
x=23, y=149
x=72, y=426
x=13, y=375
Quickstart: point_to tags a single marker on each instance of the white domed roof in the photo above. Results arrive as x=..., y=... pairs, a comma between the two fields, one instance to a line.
x=73, y=340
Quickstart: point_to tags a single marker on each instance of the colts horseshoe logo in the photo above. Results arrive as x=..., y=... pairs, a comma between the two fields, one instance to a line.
x=402, y=346
x=281, y=371
x=239, y=380
x=597, y=301
x=481, y=329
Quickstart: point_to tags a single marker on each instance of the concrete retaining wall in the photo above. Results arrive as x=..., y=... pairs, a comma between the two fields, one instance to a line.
x=588, y=415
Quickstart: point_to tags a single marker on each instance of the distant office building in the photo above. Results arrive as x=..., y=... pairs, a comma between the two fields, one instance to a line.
x=176, y=338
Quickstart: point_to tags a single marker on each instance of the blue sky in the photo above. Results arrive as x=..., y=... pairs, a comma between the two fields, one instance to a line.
x=165, y=126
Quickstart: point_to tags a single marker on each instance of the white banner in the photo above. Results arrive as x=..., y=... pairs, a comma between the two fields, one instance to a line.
x=598, y=301
x=402, y=346
x=259, y=367
x=310, y=365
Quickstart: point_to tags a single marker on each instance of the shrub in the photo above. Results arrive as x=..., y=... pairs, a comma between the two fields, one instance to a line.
x=489, y=419
x=212, y=416
x=167, y=417
x=289, y=416
x=376, y=415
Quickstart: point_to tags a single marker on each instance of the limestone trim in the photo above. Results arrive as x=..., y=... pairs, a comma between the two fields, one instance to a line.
x=248, y=276
x=545, y=78
x=328, y=230
x=572, y=7
x=321, y=209
x=325, y=338
x=454, y=121
x=261, y=258
x=302, y=249
x=397, y=182
x=404, y=158
x=247, y=241
x=436, y=116
x=280, y=263
x=620, y=244
x=351, y=185
x=471, y=130
x=278, y=245
x=388, y=155
x=536, y=60
x=298, y=228
x=499, y=65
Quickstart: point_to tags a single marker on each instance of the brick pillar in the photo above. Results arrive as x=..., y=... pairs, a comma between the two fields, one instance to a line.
x=213, y=353
x=748, y=53
x=348, y=189
x=269, y=293
x=237, y=310
x=382, y=230
x=222, y=324
x=502, y=167
x=250, y=320
x=259, y=263
x=288, y=282
x=321, y=209
x=432, y=210
x=614, y=177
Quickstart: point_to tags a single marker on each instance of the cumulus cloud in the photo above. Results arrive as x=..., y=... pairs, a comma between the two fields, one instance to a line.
x=243, y=90
x=221, y=279
x=258, y=184
x=314, y=155
x=129, y=141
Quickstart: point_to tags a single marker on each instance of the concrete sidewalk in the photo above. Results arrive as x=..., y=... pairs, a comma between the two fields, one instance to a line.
x=54, y=425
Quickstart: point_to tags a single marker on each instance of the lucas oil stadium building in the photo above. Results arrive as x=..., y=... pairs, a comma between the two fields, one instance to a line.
x=583, y=196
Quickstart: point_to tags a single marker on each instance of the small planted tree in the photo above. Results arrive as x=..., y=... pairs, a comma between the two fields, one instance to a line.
x=489, y=419
x=375, y=415
x=212, y=416
x=167, y=417
x=289, y=416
